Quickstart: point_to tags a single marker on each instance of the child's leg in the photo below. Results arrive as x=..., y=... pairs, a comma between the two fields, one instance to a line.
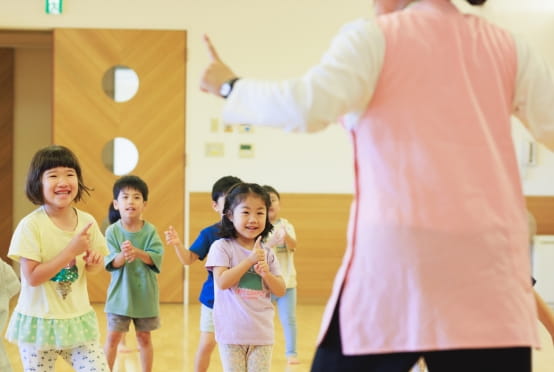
x=86, y=358
x=34, y=360
x=117, y=326
x=144, y=340
x=258, y=358
x=420, y=366
x=233, y=357
x=143, y=327
x=207, y=340
x=110, y=347
x=205, y=348
x=122, y=345
x=286, y=306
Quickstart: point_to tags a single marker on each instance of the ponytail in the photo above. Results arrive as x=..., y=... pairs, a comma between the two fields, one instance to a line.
x=113, y=214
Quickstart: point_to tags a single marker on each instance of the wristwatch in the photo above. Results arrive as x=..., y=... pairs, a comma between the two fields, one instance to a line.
x=227, y=87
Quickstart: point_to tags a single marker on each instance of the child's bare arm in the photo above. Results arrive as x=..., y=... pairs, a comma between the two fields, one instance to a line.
x=186, y=256
x=37, y=273
x=131, y=253
x=94, y=261
x=226, y=277
x=290, y=242
x=546, y=315
x=275, y=283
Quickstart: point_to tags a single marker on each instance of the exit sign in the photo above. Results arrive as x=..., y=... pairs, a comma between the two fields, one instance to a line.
x=54, y=6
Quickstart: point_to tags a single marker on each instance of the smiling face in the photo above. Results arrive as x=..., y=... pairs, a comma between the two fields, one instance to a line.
x=249, y=218
x=130, y=204
x=60, y=186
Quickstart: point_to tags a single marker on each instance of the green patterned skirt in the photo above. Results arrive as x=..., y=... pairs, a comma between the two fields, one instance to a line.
x=53, y=334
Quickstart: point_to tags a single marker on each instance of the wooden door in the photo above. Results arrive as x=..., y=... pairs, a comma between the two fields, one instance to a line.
x=7, y=56
x=85, y=119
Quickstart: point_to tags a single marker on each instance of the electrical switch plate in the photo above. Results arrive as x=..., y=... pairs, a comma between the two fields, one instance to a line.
x=214, y=125
x=214, y=149
x=246, y=150
x=245, y=128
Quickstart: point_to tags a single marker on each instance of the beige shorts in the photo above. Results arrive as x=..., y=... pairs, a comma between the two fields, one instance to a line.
x=206, y=319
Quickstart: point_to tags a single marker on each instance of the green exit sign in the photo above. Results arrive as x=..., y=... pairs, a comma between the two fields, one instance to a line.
x=54, y=6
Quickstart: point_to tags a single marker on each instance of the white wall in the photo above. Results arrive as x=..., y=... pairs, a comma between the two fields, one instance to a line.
x=535, y=23
x=272, y=40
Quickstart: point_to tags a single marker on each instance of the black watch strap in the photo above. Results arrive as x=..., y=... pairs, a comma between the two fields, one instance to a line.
x=227, y=87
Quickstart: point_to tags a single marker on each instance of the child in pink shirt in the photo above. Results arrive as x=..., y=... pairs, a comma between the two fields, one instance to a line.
x=246, y=273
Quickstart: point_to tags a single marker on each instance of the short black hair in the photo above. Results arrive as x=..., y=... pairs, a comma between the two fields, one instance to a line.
x=271, y=189
x=132, y=182
x=47, y=158
x=222, y=185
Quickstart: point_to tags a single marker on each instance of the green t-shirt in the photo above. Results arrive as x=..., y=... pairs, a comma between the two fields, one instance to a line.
x=133, y=289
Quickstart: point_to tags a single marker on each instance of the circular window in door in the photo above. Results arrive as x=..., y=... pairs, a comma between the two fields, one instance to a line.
x=120, y=156
x=120, y=83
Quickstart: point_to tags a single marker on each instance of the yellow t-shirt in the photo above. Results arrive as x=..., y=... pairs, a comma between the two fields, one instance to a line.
x=38, y=238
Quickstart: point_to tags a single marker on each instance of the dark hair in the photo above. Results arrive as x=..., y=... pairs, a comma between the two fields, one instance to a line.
x=47, y=158
x=131, y=182
x=236, y=194
x=113, y=214
x=271, y=189
x=222, y=185
x=476, y=2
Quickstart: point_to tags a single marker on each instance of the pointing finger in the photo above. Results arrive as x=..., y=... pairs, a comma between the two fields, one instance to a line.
x=257, y=244
x=211, y=50
x=86, y=228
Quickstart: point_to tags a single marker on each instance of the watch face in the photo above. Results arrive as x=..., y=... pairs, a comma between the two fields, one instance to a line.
x=225, y=89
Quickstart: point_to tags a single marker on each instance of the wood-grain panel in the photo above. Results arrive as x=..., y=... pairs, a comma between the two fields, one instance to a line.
x=542, y=208
x=6, y=147
x=85, y=119
x=320, y=221
x=25, y=39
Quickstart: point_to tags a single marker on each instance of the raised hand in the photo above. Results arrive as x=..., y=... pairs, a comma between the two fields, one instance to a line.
x=261, y=268
x=81, y=241
x=258, y=253
x=92, y=257
x=278, y=237
x=171, y=237
x=216, y=73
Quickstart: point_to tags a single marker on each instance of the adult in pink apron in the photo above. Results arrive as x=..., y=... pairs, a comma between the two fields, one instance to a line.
x=437, y=262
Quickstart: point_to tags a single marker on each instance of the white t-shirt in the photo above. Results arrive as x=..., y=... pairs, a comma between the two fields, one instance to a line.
x=284, y=255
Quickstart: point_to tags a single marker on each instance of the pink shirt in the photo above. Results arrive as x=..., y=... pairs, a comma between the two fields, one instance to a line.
x=243, y=314
x=437, y=254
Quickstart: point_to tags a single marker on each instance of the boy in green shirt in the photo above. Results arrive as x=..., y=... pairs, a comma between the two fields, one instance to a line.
x=134, y=263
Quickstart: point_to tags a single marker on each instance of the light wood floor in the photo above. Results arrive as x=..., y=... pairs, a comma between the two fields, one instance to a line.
x=175, y=343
